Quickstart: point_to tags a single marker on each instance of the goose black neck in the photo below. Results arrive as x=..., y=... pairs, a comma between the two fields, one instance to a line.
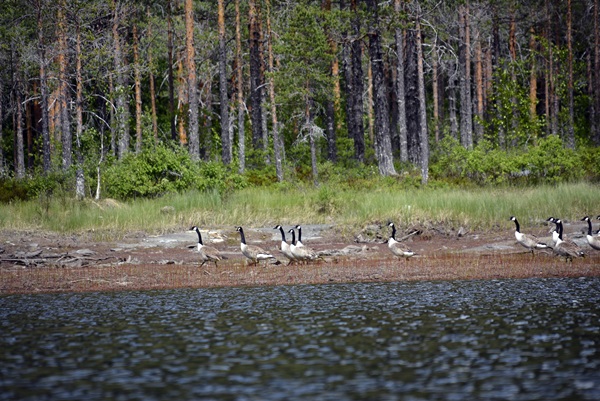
x=299, y=233
x=518, y=226
x=243, y=237
x=393, y=231
x=589, y=226
x=199, y=236
x=560, y=229
x=293, y=237
x=282, y=233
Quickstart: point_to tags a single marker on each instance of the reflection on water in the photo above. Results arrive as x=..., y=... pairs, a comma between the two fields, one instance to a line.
x=510, y=339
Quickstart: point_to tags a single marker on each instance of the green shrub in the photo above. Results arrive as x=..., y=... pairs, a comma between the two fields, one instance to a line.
x=151, y=173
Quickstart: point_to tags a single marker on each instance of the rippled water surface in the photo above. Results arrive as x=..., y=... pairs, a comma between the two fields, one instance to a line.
x=511, y=339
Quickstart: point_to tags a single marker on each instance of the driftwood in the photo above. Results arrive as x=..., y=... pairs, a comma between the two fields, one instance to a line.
x=36, y=258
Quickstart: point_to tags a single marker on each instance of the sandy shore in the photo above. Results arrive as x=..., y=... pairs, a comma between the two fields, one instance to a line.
x=50, y=263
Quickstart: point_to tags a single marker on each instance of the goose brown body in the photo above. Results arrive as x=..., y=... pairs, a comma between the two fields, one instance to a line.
x=398, y=248
x=252, y=252
x=207, y=253
x=527, y=240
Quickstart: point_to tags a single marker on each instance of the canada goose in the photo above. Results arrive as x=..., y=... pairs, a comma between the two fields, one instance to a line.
x=555, y=231
x=252, y=252
x=568, y=249
x=207, y=253
x=594, y=242
x=299, y=241
x=528, y=241
x=285, y=247
x=301, y=252
x=398, y=248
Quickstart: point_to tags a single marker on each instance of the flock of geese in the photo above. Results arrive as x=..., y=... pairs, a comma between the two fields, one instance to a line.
x=561, y=246
x=297, y=252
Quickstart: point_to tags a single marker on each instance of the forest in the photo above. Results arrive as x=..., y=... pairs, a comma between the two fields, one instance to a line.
x=118, y=98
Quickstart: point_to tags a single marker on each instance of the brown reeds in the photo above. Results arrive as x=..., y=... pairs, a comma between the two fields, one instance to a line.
x=377, y=267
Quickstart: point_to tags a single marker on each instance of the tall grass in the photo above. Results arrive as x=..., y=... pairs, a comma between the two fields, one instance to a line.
x=475, y=208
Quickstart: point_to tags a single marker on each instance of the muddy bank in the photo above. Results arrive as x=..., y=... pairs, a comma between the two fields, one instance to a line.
x=48, y=262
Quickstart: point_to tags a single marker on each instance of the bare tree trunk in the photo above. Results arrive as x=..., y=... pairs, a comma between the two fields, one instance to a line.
x=330, y=103
x=226, y=147
x=402, y=130
x=65, y=121
x=256, y=92
x=309, y=125
x=151, y=79
x=479, y=88
x=532, y=77
x=570, y=140
x=466, y=117
x=122, y=112
x=422, y=108
x=240, y=90
x=171, y=61
x=182, y=101
x=80, y=178
x=192, y=83
x=495, y=62
x=138, y=91
x=2, y=162
x=356, y=90
x=20, y=145
x=452, y=105
x=277, y=145
x=43, y=88
x=383, y=143
x=596, y=81
x=435, y=87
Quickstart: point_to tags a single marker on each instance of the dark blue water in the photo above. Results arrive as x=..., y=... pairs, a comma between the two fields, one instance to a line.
x=535, y=339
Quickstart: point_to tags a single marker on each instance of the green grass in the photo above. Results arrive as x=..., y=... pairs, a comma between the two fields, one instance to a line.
x=479, y=208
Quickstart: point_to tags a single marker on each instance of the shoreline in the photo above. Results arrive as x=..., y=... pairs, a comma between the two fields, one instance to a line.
x=65, y=264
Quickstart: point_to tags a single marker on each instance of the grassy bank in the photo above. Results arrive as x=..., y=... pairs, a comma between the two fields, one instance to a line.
x=479, y=208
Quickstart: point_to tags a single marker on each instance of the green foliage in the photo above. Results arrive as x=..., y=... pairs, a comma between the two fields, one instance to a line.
x=152, y=172
x=548, y=162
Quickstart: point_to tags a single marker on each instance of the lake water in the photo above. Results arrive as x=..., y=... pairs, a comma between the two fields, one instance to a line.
x=536, y=339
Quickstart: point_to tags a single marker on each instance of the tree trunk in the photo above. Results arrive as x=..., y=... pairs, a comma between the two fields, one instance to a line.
x=495, y=62
x=79, y=176
x=240, y=90
x=383, y=143
x=151, y=79
x=466, y=117
x=256, y=81
x=309, y=125
x=20, y=145
x=356, y=90
x=122, y=105
x=63, y=87
x=182, y=101
x=43, y=89
x=532, y=77
x=171, y=61
x=192, y=83
x=226, y=147
x=422, y=108
x=401, y=93
x=277, y=144
x=330, y=103
x=435, y=86
x=412, y=100
x=2, y=162
x=479, y=88
x=596, y=81
x=138, y=90
x=452, y=105
x=570, y=140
